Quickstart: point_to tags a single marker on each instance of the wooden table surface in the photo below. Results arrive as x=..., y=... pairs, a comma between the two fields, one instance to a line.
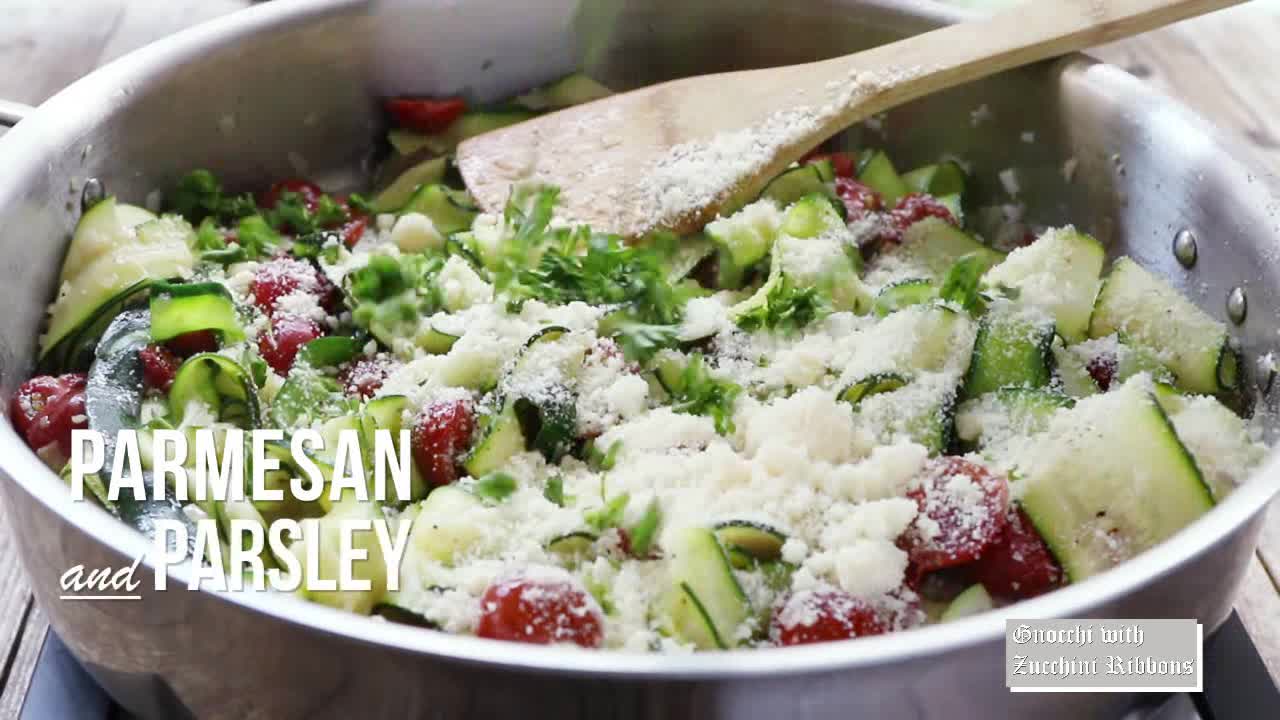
x=1218, y=65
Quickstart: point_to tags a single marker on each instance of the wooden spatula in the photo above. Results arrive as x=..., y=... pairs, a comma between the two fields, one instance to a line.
x=670, y=156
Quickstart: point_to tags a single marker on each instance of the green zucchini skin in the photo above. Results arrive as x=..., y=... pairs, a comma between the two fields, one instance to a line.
x=180, y=308
x=219, y=382
x=873, y=384
x=1145, y=310
x=500, y=438
x=1010, y=351
x=760, y=541
x=113, y=394
x=113, y=400
x=904, y=293
x=877, y=172
x=797, y=182
x=75, y=351
x=450, y=210
x=705, y=603
x=939, y=180
x=1082, y=496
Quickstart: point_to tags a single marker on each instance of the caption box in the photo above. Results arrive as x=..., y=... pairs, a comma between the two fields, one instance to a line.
x=1104, y=655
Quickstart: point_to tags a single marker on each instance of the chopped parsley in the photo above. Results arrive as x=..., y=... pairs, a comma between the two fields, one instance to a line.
x=697, y=393
x=608, y=515
x=199, y=195
x=786, y=308
x=391, y=294
x=564, y=265
x=960, y=286
x=645, y=531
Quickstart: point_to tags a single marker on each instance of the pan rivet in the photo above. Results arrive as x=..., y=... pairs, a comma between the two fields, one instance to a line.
x=1237, y=305
x=92, y=194
x=1184, y=248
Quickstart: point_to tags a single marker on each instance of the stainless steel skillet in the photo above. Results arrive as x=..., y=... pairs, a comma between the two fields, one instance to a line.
x=290, y=88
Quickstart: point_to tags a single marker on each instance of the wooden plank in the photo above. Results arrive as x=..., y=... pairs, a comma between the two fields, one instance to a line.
x=22, y=663
x=15, y=597
x=1259, y=607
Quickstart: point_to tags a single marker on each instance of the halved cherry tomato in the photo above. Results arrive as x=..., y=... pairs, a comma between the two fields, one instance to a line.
x=859, y=200
x=159, y=366
x=964, y=508
x=915, y=207
x=364, y=376
x=353, y=229
x=909, y=210
x=1102, y=368
x=540, y=611
x=845, y=164
x=426, y=115
x=1019, y=564
x=196, y=341
x=307, y=190
x=282, y=276
x=824, y=615
x=46, y=409
x=441, y=433
x=280, y=344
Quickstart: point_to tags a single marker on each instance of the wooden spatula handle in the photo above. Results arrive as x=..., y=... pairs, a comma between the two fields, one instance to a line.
x=1033, y=31
x=672, y=156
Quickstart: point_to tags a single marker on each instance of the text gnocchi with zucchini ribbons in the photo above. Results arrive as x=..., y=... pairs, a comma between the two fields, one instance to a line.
x=837, y=411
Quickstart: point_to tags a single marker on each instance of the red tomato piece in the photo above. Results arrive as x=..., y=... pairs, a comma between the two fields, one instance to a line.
x=364, y=376
x=441, y=433
x=859, y=200
x=1019, y=564
x=159, y=366
x=426, y=115
x=279, y=345
x=963, y=510
x=282, y=276
x=46, y=409
x=193, y=343
x=305, y=189
x=353, y=230
x=824, y=615
x=1102, y=368
x=915, y=207
x=540, y=611
x=844, y=164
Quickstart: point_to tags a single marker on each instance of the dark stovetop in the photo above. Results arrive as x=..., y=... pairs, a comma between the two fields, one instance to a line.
x=1237, y=686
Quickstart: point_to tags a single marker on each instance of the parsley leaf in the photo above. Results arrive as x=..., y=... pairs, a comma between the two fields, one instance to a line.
x=608, y=515
x=199, y=195
x=554, y=491
x=603, y=460
x=496, y=486
x=209, y=237
x=786, y=308
x=391, y=294
x=608, y=273
x=361, y=204
x=640, y=341
x=700, y=394
x=213, y=247
x=257, y=237
x=960, y=286
x=562, y=265
x=645, y=530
